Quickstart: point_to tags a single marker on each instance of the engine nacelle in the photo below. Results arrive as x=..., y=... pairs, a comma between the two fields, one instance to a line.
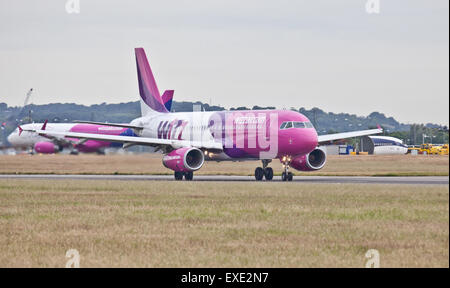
x=46, y=148
x=184, y=160
x=310, y=162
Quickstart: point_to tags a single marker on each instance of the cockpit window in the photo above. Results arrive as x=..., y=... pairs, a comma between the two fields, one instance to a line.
x=299, y=125
x=290, y=124
x=309, y=125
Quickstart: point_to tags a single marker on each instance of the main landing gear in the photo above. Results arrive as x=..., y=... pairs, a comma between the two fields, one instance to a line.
x=188, y=176
x=264, y=172
x=286, y=175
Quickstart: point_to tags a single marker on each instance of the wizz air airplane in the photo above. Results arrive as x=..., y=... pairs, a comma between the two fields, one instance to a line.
x=188, y=139
x=24, y=138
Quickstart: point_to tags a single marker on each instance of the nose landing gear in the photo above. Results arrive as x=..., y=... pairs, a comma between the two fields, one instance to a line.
x=286, y=175
x=264, y=172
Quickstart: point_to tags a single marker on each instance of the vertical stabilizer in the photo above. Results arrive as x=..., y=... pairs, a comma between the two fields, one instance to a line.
x=151, y=100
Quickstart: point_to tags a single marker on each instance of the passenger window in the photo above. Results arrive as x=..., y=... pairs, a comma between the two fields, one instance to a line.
x=288, y=125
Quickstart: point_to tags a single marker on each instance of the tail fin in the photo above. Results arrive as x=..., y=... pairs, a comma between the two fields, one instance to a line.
x=151, y=100
x=167, y=99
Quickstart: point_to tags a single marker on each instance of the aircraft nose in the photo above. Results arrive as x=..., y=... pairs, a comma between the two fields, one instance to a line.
x=11, y=138
x=309, y=137
x=307, y=141
x=312, y=139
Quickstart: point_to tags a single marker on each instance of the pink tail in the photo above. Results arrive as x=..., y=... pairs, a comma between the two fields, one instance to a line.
x=150, y=97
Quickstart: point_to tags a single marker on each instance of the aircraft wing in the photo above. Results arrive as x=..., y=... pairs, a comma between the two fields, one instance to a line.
x=132, y=140
x=339, y=136
x=59, y=140
x=110, y=124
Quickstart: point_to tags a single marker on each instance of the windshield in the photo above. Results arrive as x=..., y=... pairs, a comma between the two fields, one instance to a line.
x=296, y=124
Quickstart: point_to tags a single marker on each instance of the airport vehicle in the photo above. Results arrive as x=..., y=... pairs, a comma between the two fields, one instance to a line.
x=23, y=139
x=388, y=145
x=187, y=139
x=443, y=150
x=426, y=149
x=439, y=150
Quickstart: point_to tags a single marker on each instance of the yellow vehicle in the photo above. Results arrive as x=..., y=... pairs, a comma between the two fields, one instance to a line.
x=443, y=150
x=426, y=149
x=429, y=149
x=435, y=150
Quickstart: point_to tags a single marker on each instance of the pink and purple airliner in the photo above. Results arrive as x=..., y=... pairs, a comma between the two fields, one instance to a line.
x=188, y=139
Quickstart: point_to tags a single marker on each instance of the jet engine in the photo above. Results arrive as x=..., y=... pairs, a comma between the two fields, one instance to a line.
x=310, y=162
x=184, y=159
x=46, y=148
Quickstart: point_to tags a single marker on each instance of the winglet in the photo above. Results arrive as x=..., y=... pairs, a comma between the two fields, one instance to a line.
x=379, y=127
x=20, y=130
x=45, y=125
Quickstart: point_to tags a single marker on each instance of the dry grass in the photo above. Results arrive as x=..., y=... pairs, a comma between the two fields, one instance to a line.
x=172, y=224
x=398, y=165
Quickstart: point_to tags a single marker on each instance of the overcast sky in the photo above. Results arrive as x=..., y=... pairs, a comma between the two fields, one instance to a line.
x=327, y=54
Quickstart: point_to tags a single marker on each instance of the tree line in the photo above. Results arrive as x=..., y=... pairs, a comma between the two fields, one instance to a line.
x=324, y=122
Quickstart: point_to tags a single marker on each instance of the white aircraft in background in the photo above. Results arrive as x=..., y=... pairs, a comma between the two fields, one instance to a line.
x=388, y=145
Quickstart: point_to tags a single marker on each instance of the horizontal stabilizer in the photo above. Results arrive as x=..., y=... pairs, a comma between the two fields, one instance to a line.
x=167, y=99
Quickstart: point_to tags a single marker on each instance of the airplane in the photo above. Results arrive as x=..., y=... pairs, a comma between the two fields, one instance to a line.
x=388, y=145
x=23, y=139
x=188, y=139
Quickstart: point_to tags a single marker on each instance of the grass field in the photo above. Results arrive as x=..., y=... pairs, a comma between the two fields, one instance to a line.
x=397, y=165
x=204, y=224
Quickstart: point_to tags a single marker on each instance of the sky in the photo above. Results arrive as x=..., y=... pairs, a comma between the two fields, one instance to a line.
x=317, y=53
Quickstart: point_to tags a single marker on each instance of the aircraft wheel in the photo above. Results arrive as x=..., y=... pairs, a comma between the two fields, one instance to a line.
x=268, y=173
x=189, y=176
x=290, y=176
x=259, y=173
x=178, y=175
x=283, y=176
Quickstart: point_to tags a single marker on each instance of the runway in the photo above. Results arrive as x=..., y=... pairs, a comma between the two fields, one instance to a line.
x=413, y=180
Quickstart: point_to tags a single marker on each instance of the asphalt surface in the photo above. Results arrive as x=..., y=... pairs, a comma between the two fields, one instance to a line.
x=425, y=180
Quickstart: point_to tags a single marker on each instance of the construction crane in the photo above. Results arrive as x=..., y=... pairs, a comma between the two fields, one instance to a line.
x=12, y=121
x=25, y=103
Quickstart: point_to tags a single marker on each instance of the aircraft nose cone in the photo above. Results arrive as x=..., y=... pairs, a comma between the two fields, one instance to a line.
x=312, y=139
x=308, y=140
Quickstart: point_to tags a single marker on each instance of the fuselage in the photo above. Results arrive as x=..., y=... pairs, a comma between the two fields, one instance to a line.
x=388, y=145
x=250, y=134
x=244, y=135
